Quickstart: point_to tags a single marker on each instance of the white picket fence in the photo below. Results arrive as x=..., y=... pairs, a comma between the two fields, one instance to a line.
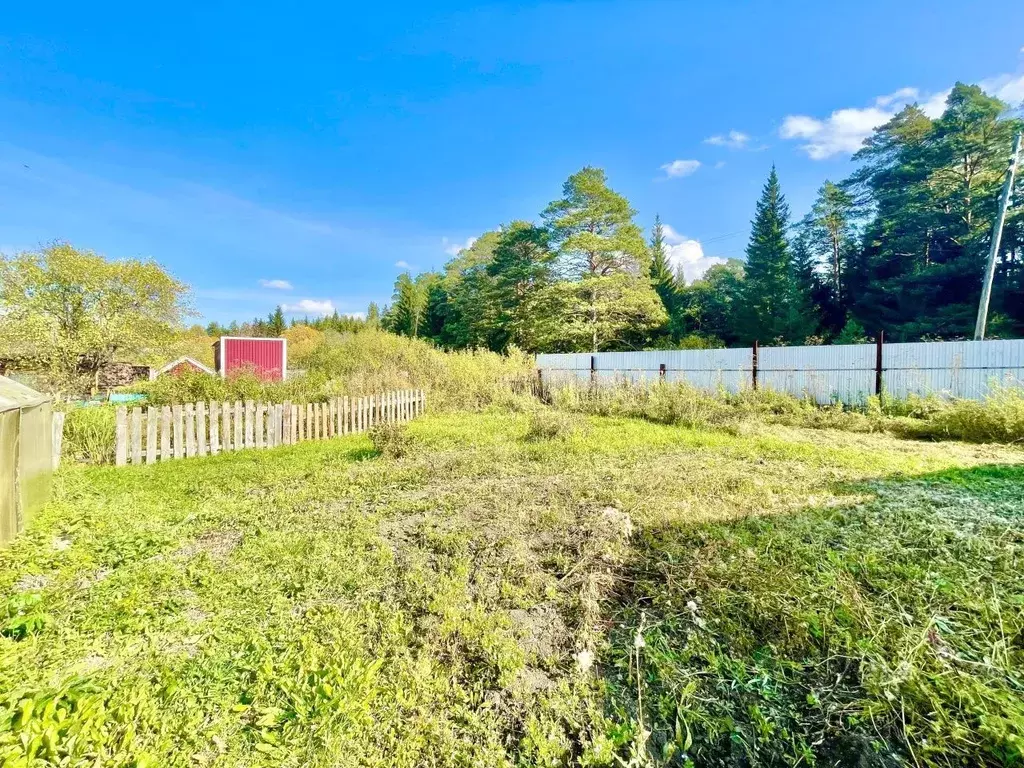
x=160, y=433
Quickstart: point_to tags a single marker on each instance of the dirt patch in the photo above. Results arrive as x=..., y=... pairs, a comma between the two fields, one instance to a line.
x=31, y=582
x=217, y=544
x=541, y=631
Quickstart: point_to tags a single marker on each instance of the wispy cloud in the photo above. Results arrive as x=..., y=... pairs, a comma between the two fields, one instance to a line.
x=677, y=169
x=731, y=140
x=309, y=307
x=403, y=264
x=686, y=256
x=453, y=248
x=843, y=132
x=279, y=285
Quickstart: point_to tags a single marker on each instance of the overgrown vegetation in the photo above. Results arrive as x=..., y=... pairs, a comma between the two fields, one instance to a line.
x=650, y=594
x=358, y=364
x=999, y=418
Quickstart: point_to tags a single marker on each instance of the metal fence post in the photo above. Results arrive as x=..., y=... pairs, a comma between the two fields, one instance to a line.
x=753, y=366
x=879, y=341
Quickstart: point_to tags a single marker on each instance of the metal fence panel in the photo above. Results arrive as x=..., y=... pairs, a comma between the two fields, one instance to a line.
x=825, y=373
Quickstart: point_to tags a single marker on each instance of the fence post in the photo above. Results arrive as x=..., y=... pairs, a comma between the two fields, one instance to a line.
x=151, y=416
x=58, y=436
x=661, y=371
x=878, y=362
x=593, y=370
x=753, y=368
x=165, y=433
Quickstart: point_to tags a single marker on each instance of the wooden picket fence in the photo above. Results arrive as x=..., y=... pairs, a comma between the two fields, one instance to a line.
x=160, y=433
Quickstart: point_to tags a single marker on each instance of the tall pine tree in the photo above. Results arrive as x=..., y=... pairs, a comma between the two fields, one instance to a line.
x=768, y=314
x=662, y=278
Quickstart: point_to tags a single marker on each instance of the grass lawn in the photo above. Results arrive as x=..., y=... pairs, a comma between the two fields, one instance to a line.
x=633, y=593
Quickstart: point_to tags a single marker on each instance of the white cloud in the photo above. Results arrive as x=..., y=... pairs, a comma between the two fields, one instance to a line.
x=280, y=285
x=453, y=248
x=720, y=164
x=309, y=307
x=844, y=131
x=732, y=140
x=686, y=256
x=403, y=264
x=677, y=169
x=355, y=315
x=1009, y=88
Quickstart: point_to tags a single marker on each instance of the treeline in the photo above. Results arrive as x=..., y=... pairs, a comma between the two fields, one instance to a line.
x=275, y=324
x=898, y=246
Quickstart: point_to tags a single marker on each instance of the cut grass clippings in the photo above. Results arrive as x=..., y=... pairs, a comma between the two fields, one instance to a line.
x=508, y=593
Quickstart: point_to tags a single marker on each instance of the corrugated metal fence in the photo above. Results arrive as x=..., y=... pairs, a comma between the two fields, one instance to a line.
x=849, y=373
x=202, y=429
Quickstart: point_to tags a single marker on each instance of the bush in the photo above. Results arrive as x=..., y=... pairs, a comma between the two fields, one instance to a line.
x=89, y=434
x=999, y=418
x=359, y=364
x=551, y=424
x=391, y=439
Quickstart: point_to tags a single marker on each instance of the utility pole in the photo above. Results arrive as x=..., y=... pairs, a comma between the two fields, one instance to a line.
x=997, y=236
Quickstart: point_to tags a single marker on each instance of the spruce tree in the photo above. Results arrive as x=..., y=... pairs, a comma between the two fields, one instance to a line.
x=769, y=286
x=275, y=322
x=662, y=279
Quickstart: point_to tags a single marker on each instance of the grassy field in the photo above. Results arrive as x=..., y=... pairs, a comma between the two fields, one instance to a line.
x=523, y=589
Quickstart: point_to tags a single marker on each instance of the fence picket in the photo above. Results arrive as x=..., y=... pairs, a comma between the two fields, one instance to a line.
x=237, y=426
x=165, y=433
x=261, y=412
x=201, y=438
x=190, y=429
x=151, y=415
x=136, y=433
x=286, y=423
x=214, y=428
x=178, y=414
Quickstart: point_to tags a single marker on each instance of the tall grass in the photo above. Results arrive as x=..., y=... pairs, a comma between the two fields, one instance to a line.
x=998, y=418
x=359, y=364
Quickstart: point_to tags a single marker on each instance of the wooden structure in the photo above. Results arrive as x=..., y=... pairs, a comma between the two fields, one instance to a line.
x=184, y=365
x=148, y=435
x=266, y=357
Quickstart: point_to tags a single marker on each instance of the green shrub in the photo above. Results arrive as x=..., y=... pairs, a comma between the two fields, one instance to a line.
x=360, y=364
x=391, y=439
x=89, y=435
x=999, y=418
x=551, y=424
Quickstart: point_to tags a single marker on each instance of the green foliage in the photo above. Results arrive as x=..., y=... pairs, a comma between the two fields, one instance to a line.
x=649, y=595
x=89, y=435
x=770, y=310
x=552, y=424
x=592, y=229
x=391, y=439
x=69, y=311
x=596, y=313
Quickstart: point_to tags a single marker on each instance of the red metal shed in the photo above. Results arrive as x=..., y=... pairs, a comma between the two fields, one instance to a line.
x=267, y=357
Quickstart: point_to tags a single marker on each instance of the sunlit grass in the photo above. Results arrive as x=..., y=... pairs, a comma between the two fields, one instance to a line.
x=854, y=597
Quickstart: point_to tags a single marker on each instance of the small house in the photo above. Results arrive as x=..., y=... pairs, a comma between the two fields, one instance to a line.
x=266, y=357
x=184, y=365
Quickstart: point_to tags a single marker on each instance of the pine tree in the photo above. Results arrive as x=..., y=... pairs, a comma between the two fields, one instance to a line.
x=768, y=289
x=662, y=279
x=275, y=322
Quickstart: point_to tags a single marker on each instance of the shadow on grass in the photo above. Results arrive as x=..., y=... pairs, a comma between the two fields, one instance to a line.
x=881, y=633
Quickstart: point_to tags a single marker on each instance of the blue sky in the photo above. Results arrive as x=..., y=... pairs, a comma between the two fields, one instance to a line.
x=304, y=154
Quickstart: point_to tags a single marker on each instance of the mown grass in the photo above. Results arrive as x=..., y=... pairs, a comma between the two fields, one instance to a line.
x=504, y=593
